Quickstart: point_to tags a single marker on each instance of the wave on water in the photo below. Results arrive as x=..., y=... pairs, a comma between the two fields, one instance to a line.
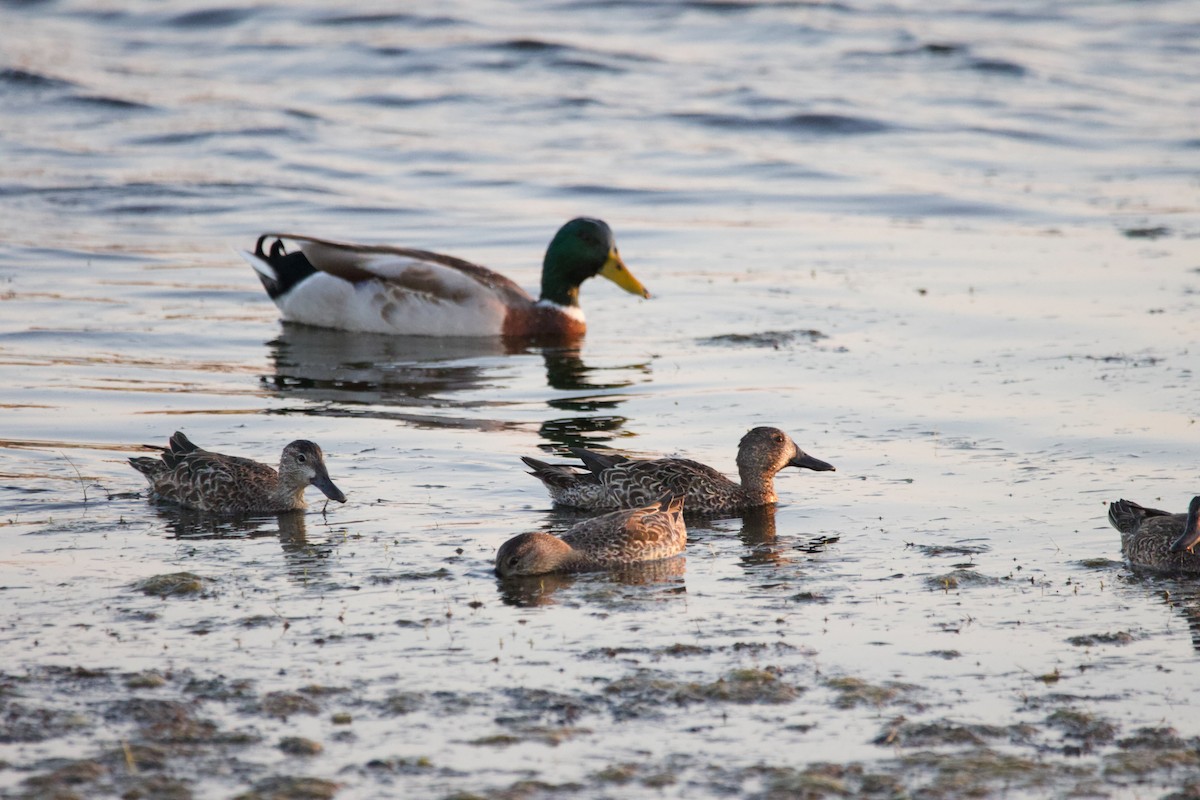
x=398, y=18
x=24, y=79
x=105, y=102
x=212, y=17
x=814, y=123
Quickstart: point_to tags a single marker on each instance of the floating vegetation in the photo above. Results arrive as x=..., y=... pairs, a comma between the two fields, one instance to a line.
x=299, y=746
x=980, y=772
x=286, y=704
x=646, y=692
x=853, y=692
x=1156, y=232
x=1083, y=727
x=951, y=549
x=172, y=584
x=946, y=733
x=775, y=339
x=291, y=788
x=960, y=579
x=1091, y=640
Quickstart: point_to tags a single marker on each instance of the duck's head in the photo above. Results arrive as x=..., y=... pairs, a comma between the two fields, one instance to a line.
x=531, y=554
x=302, y=464
x=765, y=451
x=1191, y=528
x=583, y=248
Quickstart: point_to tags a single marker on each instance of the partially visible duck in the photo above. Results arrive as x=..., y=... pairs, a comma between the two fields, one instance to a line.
x=1156, y=539
x=193, y=478
x=614, y=481
x=399, y=290
x=610, y=541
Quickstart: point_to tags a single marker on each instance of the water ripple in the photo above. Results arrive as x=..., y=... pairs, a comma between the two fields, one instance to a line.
x=814, y=123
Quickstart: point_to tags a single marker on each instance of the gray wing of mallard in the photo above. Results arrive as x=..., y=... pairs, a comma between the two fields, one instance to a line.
x=625, y=537
x=352, y=262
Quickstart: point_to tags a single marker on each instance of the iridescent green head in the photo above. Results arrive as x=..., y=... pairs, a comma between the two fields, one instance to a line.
x=582, y=248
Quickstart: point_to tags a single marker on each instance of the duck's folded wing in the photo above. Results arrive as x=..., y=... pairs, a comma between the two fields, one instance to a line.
x=380, y=289
x=421, y=271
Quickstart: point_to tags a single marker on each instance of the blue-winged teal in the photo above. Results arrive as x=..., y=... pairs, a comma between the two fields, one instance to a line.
x=195, y=478
x=1157, y=539
x=617, y=482
x=403, y=291
x=610, y=541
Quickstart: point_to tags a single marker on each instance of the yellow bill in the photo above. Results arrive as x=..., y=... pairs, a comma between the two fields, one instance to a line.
x=615, y=270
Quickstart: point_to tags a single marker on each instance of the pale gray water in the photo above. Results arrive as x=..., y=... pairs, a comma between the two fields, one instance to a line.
x=989, y=213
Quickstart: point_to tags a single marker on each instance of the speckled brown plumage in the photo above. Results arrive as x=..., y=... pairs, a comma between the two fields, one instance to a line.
x=1159, y=540
x=613, y=481
x=610, y=541
x=193, y=478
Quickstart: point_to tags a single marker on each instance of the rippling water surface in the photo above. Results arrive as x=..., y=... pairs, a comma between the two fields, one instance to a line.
x=951, y=249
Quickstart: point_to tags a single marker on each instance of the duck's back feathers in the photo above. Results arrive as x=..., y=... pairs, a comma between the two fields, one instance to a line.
x=384, y=289
x=630, y=482
x=624, y=537
x=615, y=540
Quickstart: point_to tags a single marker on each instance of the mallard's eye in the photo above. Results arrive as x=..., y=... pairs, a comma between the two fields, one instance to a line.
x=301, y=458
x=514, y=560
x=778, y=438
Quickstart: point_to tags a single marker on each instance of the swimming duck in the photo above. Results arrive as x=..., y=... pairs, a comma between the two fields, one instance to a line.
x=610, y=541
x=1158, y=539
x=398, y=290
x=193, y=478
x=615, y=481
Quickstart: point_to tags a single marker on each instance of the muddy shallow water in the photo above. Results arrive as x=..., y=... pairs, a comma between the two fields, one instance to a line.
x=952, y=252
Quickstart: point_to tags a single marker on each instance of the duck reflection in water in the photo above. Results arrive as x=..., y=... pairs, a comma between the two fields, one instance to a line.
x=539, y=590
x=305, y=562
x=759, y=534
x=1185, y=598
x=362, y=374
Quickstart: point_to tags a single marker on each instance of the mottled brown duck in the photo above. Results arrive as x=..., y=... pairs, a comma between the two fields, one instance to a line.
x=610, y=541
x=193, y=478
x=1158, y=540
x=614, y=481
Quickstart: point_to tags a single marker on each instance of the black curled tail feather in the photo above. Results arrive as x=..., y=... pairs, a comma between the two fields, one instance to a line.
x=288, y=269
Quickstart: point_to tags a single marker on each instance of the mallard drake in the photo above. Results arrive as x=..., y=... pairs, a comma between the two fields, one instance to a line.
x=1156, y=539
x=398, y=290
x=615, y=481
x=610, y=541
x=193, y=478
